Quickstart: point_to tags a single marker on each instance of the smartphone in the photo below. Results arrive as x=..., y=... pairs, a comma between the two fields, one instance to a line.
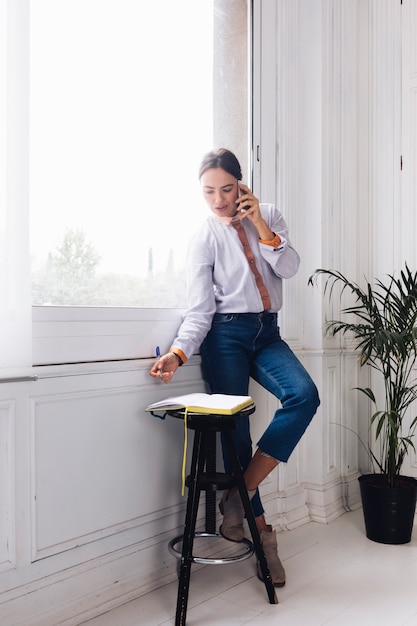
x=243, y=210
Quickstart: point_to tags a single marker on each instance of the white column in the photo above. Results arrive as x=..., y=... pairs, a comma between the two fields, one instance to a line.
x=385, y=133
x=15, y=305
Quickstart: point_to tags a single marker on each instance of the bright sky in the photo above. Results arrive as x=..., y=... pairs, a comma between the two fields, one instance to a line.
x=121, y=114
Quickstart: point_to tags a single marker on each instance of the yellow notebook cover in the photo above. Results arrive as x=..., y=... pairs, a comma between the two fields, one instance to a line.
x=215, y=403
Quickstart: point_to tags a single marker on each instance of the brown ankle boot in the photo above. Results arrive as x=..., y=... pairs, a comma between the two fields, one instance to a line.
x=269, y=544
x=232, y=509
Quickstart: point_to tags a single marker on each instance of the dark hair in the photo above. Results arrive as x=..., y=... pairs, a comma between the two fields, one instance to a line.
x=221, y=158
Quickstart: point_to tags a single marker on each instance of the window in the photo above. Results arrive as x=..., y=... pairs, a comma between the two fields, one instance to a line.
x=126, y=97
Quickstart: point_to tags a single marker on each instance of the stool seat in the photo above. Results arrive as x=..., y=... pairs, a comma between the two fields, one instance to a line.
x=205, y=477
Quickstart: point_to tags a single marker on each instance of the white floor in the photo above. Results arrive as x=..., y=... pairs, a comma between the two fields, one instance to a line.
x=335, y=576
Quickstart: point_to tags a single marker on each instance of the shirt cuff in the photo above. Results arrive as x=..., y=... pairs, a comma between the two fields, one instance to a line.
x=179, y=353
x=275, y=242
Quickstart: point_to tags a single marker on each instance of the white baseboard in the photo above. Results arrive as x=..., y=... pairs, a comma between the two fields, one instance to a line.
x=328, y=502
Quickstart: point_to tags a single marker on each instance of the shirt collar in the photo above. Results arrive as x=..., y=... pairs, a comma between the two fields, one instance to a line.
x=224, y=220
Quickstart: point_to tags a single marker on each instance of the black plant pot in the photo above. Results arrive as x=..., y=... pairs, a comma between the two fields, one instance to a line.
x=388, y=511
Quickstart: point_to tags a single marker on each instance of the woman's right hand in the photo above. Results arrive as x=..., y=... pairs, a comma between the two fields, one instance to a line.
x=165, y=367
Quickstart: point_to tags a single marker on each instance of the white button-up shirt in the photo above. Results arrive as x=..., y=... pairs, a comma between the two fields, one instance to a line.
x=219, y=278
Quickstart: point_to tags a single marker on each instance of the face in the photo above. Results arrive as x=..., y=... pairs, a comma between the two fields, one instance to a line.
x=220, y=191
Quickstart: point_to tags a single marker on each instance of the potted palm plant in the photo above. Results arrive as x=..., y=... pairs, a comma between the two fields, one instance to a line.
x=383, y=323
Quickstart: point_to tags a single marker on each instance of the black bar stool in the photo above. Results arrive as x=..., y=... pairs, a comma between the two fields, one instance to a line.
x=204, y=477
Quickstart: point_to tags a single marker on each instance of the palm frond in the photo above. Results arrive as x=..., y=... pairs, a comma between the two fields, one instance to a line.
x=383, y=323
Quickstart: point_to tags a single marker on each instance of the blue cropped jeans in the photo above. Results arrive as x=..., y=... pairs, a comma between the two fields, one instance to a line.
x=244, y=345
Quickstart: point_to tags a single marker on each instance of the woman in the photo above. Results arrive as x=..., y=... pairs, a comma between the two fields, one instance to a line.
x=236, y=264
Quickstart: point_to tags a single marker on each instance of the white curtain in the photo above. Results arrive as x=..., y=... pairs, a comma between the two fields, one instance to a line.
x=15, y=299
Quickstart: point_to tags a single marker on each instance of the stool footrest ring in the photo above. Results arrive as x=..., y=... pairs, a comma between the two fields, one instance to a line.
x=247, y=552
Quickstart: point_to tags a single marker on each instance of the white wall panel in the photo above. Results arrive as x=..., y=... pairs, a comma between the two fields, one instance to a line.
x=406, y=214
x=352, y=402
x=385, y=133
x=105, y=436
x=330, y=408
x=7, y=460
x=100, y=463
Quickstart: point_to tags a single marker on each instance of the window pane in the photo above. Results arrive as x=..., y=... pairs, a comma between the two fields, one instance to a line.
x=122, y=109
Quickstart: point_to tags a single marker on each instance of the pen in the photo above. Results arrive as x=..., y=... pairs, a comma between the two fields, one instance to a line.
x=158, y=354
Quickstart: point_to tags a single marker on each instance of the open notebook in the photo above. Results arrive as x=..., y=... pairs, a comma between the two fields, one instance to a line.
x=215, y=403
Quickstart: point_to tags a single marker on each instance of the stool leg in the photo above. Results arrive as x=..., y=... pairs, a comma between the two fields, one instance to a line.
x=240, y=482
x=197, y=467
x=210, y=454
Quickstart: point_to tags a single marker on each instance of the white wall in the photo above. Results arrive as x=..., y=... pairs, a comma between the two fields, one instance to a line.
x=90, y=490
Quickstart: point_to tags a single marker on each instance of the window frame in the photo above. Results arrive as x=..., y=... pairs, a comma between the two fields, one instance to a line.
x=65, y=334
